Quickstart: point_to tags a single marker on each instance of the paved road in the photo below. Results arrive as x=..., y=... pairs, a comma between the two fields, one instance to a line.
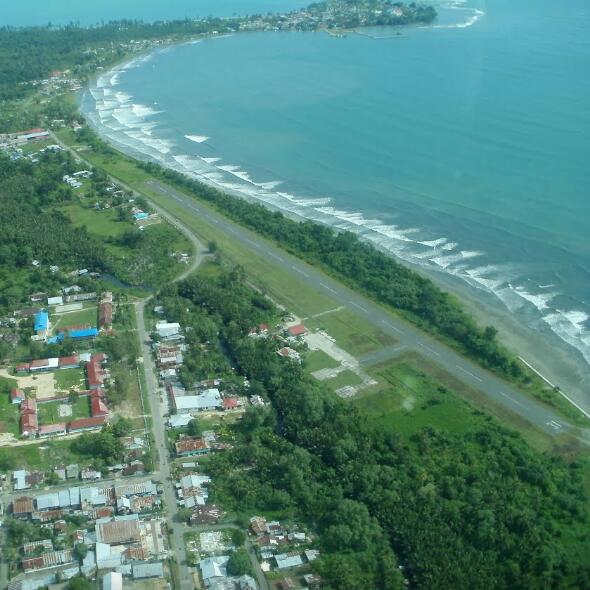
x=499, y=391
x=158, y=404
x=159, y=407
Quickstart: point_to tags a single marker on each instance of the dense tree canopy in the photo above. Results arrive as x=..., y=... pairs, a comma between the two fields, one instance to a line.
x=480, y=510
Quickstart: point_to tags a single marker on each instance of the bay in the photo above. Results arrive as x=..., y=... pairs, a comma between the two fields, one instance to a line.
x=461, y=148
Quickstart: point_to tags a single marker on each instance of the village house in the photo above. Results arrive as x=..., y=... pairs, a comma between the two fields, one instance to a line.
x=168, y=331
x=296, y=331
x=189, y=446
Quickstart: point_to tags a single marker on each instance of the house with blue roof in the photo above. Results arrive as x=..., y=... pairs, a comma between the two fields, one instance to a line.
x=41, y=323
x=80, y=334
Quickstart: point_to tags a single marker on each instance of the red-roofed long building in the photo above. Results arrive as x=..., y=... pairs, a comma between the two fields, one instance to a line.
x=87, y=424
x=94, y=371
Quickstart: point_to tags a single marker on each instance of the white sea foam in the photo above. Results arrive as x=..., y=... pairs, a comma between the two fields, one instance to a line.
x=572, y=327
x=197, y=138
x=540, y=301
x=134, y=126
x=459, y=5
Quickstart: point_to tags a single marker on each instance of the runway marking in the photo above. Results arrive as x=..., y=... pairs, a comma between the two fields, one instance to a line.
x=359, y=306
x=514, y=401
x=468, y=373
x=390, y=325
x=431, y=350
x=301, y=272
x=275, y=256
x=329, y=288
x=251, y=241
x=555, y=425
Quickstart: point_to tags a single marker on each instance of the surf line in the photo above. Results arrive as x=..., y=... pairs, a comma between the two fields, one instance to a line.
x=567, y=397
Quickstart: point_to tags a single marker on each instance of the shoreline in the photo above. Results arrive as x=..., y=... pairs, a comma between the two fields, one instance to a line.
x=556, y=362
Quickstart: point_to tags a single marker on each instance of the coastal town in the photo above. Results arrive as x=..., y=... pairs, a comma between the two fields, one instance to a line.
x=199, y=393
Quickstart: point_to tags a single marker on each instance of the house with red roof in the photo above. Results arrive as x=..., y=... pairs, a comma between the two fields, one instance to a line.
x=230, y=403
x=28, y=418
x=69, y=362
x=87, y=424
x=105, y=316
x=95, y=373
x=297, y=330
x=97, y=406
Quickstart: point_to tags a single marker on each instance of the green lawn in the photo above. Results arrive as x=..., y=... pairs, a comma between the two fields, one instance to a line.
x=44, y=456
x=410, y=400
x=9, y=413
x=88, y=315
x=102, y=222
x=65, y=379
x=351, y=332
x=318, y=359
x=343, y=379
x=48, y=413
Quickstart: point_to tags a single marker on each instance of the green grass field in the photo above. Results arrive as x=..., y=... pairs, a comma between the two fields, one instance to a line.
x=410, y=400
x=48, y=413
x=65, y=379
x=351, y=332
x=44, y=456
x=100, y=222
x=9, y=412
x=88, y=315
x=318, y=359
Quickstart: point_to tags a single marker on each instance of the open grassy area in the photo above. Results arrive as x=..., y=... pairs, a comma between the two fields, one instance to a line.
x=48, y=413
x=318, y=359
x=88, y=315
x=67, y=379
x=43, y=456
x=407, y=386
x=9, y=412
x=343, y=379
x=410, y=400
x=351, y=332
x=103, y=222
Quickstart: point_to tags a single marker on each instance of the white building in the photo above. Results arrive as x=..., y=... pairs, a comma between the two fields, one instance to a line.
x=210, y=399
x=112, y=581
x=168, y=331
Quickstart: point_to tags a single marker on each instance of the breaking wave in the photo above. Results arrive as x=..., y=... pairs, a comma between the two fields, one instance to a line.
x=135, y=128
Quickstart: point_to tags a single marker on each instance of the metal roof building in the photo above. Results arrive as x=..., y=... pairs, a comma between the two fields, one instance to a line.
x=88, y=333
x=41, y=321
x=148, y=570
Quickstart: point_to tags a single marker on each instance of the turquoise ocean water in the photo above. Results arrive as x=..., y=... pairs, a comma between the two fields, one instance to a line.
x=462, y=148
x=87, y=12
